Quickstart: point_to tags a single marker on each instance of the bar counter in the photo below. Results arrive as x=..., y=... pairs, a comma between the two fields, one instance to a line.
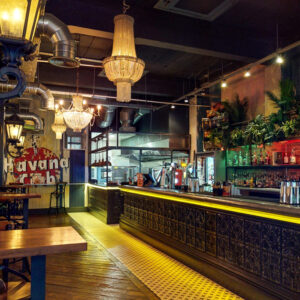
x=251, y=247
x=104, y=203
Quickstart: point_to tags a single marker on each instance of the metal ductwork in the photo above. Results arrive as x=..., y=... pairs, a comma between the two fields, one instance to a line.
x=38, y=123
x=108, y=117
x=126, y=119
x=139, y=114
x=64, y=47
x=47, y=99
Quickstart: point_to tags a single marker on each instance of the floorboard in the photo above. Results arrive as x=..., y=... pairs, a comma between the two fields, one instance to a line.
x=92, y=274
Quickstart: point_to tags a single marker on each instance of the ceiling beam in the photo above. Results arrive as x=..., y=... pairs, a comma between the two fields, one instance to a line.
x=160, y=44
x=156, y=25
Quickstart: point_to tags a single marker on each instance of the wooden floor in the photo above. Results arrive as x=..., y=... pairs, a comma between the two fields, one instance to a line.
x=94, y=274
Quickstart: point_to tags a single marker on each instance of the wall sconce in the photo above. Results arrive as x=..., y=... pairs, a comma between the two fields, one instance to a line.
x=18, y=21
x=15, y=141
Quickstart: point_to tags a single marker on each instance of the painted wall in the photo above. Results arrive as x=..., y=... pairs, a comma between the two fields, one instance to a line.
x=48, y=140
x=262, y=79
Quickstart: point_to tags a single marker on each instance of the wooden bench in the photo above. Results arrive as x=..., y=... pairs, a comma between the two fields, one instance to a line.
x=37, y=243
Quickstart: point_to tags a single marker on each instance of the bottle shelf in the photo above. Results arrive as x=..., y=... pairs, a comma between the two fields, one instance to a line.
x=265, y=167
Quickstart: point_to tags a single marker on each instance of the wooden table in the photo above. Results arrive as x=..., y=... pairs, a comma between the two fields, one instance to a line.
x=38, y=243
x=7, y=197
x=15, y=187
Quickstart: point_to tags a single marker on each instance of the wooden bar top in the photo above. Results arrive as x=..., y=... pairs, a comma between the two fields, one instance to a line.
x=12, y=196
x=40, y=241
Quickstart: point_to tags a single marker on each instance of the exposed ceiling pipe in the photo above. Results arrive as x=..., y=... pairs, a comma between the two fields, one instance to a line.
x=139, y=114
x=148, y=103
x=126, y=119
x=47, y=99
x=97, y=61
x=108, y=117
x=38, y=123
x=64, y=47
x=81, y=65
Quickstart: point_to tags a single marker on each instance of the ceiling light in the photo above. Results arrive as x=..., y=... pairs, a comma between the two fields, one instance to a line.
x=77, y=117
x=59, y=126
x=247, y=74
x=186, y=100
x=223, y=84
x=123, y=68
x=172, y=106
x=279, y=59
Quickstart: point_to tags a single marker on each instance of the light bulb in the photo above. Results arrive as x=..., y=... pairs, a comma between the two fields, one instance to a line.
x=223, y=84
x=84, y=102
x=92, y=110
x=17, y=14
x=172, y=106
x=5, y=16
x=279, y=59
x=98, y=106
x=247, y=74
x=186, y=100
x=61, y=102
x=56, y=106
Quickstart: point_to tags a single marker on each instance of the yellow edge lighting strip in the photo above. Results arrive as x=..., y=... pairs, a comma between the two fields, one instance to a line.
x=102, y=187
x=240, y=210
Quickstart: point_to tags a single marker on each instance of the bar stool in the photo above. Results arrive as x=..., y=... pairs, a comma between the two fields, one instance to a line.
x=59, y=196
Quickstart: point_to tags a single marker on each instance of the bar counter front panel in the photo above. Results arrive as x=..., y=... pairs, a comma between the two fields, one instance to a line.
x=251, y=242
x=104, y=203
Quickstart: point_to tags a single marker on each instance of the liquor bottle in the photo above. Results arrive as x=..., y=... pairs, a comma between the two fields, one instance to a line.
x=254, y=160
x=293, y=157
x=240, y=158
x=267, y=159
x=286, y=158
x=261, y=160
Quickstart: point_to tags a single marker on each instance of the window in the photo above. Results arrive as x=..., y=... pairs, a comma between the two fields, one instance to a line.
x=74, y=142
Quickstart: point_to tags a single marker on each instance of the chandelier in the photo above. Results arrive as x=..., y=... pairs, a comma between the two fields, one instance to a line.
x=123, y=67
x=59, y=126
x=76, y=117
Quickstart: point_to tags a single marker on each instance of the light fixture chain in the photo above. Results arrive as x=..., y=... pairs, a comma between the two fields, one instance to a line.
x=125, y=7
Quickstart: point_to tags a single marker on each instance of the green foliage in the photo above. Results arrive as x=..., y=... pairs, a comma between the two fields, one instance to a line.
x=236, y=110
x=237, y=137
x=289, y=127
x=286, y=102
x=259, y=131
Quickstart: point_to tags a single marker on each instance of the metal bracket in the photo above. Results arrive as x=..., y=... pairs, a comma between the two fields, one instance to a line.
x=12, y=52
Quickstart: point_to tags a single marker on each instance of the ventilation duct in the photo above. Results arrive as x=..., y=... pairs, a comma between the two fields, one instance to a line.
x=47, y=99
x=108, y=117
x=139, y=114
x=64, y=48
x=126, y=119
x=38, y=123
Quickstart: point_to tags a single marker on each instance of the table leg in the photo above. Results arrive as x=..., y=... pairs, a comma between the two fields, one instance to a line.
x=25, y=212
x=38, y=277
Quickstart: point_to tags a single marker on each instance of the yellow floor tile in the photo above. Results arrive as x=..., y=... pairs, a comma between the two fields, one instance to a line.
x=165, y=276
